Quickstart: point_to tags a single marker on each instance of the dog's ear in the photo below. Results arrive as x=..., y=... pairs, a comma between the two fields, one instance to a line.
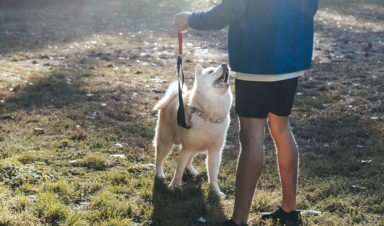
x=198, y=70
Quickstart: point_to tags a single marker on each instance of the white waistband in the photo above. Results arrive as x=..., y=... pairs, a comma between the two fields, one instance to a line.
x=267, y=78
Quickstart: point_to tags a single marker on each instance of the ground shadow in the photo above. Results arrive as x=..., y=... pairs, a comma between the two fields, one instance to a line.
x=338, y=143
x=54, y=91
x=63, y=84
x=186, y=205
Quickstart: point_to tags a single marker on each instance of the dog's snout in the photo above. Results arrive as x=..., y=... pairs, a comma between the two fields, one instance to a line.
x=225, y=67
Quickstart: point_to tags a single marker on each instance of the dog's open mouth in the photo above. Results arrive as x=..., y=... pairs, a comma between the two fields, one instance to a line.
x=222, y=81
x=224, y=76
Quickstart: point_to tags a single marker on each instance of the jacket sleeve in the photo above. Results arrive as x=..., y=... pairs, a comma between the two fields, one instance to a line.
x=221, y=15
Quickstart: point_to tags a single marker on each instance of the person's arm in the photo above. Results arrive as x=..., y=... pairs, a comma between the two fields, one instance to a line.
x=221, y=15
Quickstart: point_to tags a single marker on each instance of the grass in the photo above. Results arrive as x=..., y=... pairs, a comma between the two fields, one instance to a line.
x=95, y=161
x=76, y=125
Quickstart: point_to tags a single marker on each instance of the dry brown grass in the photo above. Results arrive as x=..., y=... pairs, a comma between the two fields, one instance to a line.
x=76, y=124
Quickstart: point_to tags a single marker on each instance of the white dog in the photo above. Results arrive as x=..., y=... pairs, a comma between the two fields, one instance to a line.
x=207, y=108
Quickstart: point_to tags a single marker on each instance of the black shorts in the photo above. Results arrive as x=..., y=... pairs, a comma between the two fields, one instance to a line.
x=257, y=99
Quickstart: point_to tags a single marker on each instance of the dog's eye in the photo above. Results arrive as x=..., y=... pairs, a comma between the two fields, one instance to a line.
x=210, y=72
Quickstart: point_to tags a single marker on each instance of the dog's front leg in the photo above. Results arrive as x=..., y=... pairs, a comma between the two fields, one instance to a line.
x=213, y=164
x=184, y=157
x=190, y=167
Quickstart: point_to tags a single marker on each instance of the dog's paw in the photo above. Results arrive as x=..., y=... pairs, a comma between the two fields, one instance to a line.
x=192, y=171
x=174, y=184
x=160, y=175
x=220, y=194
x=217, y=191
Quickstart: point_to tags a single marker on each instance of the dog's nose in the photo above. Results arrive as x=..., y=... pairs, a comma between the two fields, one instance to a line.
x=225, y=67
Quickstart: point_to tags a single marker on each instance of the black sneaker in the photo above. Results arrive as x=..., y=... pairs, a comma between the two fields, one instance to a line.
x=292, y=218
x=231, y=223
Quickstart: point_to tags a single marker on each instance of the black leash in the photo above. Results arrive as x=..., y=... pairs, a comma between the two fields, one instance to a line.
x=181, y=111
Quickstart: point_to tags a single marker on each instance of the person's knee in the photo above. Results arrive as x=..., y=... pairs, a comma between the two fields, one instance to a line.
x=279, y=126
x=248, y=137
x=251, y=132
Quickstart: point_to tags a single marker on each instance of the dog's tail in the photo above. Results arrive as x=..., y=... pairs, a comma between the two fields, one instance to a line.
x=172, y=91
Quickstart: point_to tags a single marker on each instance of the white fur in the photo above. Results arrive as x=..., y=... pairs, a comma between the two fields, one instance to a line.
x=172, y=91
x=204, y=136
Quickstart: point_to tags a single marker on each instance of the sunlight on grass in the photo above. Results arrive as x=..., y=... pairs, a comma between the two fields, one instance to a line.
x=51, y=208
x=95, y=161
x=76, y=125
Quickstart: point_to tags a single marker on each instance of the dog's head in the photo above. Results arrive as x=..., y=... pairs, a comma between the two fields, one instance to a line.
x=212, y=79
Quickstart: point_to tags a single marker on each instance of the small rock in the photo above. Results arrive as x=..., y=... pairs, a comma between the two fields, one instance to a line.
x=118, y=156
x=150, y=165
x=358, y=187
x=119, y=145
x=44, y=57
x=38, y=131
x=310, y=212
x=82, y=205
x=202, y=220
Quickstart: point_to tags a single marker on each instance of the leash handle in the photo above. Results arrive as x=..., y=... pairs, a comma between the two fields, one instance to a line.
x=181, y=121
x=180, y=39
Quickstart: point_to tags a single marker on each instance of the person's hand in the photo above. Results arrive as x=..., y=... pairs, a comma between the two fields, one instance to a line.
x=181, y=22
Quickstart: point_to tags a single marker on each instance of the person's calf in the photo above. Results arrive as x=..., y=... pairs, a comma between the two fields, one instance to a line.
x=287, y=155
x=249, y=166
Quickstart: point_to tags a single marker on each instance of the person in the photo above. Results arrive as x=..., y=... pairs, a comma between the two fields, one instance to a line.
x=270, y=45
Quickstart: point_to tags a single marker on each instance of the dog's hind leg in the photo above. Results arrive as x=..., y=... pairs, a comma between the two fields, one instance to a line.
x=162, y=149
x=213, y=164
x=181, y=164
x=190, y=167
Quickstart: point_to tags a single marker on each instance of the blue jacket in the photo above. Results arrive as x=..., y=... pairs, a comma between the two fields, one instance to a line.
x=264, y=36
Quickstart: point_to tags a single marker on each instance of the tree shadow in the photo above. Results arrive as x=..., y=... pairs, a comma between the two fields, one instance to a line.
x=67, y=84
x=186, y=205
x=54, y=91
x=29, y=25
x=337, y=144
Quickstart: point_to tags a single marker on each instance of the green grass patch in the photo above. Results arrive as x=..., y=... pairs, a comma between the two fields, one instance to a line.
x=76, y=125
x=96, y=161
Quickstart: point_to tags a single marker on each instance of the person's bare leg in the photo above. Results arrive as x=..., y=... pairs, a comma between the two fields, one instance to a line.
x=287, y=155
x=249, y=166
